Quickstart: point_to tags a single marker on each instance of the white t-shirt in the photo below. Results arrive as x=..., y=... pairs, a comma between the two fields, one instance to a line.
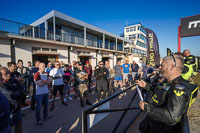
x=57, y=72
x=41, y=89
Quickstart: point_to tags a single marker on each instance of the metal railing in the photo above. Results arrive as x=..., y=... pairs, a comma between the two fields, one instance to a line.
x=120, y=47
x=25, y=30
x=94, y=43
x=15, y=28
x=91, y=110
x=72, y=39
x=112, y=46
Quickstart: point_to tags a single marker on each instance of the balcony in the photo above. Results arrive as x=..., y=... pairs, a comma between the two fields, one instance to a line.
x=94, y=43
x=15, y=28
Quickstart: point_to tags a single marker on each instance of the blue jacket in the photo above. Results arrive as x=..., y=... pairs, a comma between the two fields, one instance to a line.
x=4, y=112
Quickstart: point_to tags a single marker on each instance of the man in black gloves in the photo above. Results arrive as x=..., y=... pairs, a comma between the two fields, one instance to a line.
x=167, y=108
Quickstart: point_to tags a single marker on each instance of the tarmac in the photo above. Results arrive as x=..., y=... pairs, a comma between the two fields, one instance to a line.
x=194, y=111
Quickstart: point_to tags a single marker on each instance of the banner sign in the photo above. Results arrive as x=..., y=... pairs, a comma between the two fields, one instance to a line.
x=190, y=26
x=153, y=55
x=169, y=52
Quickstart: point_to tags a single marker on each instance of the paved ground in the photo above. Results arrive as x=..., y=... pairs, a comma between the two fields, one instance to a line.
x=194, y=111
x=69, y=119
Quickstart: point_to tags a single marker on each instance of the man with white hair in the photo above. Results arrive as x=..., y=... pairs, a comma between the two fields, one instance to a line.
x=42, y=80
x=167, y=108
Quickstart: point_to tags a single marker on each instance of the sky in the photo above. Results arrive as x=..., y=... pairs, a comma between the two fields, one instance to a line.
x=162, y=16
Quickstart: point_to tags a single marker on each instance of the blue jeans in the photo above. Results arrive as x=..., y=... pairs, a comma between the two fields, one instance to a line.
x=42, y=99
x=67, y=87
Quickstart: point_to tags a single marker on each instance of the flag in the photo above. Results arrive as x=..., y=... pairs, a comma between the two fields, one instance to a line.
x=169, y=52
x=153, y=55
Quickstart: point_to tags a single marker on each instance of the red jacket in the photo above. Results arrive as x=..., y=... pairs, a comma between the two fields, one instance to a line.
x=88, y=69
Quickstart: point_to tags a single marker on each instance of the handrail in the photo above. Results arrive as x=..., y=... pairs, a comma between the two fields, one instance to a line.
x=107, y=99
x=112, y=110
x=14, y=21
x=25, y=30
x=91, y=110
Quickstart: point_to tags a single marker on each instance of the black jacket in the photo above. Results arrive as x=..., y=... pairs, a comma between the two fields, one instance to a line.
x=101, y=73
x=16, y=91
x=167, y=109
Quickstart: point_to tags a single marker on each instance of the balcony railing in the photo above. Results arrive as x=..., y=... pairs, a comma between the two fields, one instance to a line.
x=72, y=39
x=11, y=27
x=120, y=47
x=15, y=28
x=94, y=43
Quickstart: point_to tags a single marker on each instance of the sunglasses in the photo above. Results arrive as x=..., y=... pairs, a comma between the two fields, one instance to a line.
x=57, y=64
x=100, y=64
x=6, y=73
x=174, y=59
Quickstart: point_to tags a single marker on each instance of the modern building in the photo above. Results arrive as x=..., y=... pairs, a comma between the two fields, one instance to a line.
x=59, y=37
x=136, y=33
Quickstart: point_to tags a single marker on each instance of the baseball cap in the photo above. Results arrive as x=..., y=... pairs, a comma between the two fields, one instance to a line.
x=87, y=62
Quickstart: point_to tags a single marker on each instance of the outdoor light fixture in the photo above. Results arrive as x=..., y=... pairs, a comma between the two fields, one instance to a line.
x=71, y=48
x=13, y=41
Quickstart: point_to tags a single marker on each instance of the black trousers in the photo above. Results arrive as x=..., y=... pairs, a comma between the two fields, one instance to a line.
x=33, y=99
x=89, y=82
x=102, y=85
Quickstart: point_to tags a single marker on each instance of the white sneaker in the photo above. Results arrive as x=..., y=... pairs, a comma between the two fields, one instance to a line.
x=70, y=98
x=120, y=96
x=65, y=100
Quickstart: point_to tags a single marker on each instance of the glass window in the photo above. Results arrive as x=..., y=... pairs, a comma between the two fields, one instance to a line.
x=45, y=49
x=143, y=30
x=127, y=29
x=134, y=28
x=50, y=27
x=54, y=50
x=142, y=37
x=131, y=29
x=36, y=48
x=58, y=29
x=42, y=26
x=131, y=36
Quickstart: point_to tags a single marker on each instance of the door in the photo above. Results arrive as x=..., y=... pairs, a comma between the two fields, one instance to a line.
x=45, y=58
x=119, y=59
x=104, y=59
x=83, y=59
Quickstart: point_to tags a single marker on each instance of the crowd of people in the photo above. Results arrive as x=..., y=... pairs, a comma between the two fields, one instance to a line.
x=41, y=83
x=166, y=108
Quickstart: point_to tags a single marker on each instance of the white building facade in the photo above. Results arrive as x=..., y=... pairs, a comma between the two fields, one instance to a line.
x=59, y=37
x=136, y=33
